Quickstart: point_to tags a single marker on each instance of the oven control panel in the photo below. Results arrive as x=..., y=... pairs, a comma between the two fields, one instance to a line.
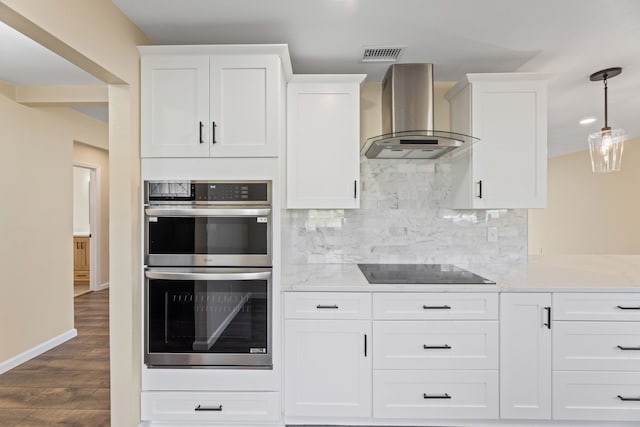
x=208, y=192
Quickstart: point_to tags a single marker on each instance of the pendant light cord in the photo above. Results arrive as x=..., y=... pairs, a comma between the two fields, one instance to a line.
x=606, y=115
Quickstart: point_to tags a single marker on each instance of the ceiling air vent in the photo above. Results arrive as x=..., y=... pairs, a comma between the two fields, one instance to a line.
x=382, y=53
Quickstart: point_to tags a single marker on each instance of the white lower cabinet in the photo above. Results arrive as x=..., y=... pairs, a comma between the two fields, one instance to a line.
x=581, y=395
x=435, y=394
x=327, y=368
x=525, y=356
x=463, y=359
x=596, y=357
x=435, y=345
x=210, y=407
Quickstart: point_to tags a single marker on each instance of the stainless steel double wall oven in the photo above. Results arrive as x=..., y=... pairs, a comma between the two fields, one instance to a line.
x=208, y=274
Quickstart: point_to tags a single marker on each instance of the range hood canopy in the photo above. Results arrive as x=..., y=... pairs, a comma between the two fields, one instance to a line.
x=407, y=118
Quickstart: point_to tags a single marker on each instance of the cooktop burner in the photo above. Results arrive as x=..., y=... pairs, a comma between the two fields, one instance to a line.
x=422, y=274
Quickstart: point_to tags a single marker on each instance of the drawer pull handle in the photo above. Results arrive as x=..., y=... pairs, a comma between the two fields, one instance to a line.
x=438, y=396
x=436, y=307
x=622, y=307
x=435, y=347
x=629, y=399
x=208, y=408
x=628, y=348
x=332, y=307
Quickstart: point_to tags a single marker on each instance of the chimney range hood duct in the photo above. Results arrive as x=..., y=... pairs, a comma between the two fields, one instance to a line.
x=407, y=118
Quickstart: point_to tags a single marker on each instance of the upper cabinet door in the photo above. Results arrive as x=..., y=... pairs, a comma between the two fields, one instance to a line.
x=507, y=168
x=175, y=106
x=323, y=142
x=245, y=97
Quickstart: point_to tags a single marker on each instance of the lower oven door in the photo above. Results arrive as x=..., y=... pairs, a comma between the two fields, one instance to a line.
x=208, y=317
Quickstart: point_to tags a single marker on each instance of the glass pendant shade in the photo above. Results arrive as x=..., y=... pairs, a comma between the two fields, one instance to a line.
x=606, y=148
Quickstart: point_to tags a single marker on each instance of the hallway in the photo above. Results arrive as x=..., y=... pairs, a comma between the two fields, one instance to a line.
x=68, y=385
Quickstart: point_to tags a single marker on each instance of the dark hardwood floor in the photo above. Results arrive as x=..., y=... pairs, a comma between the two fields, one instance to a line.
x=68, y=385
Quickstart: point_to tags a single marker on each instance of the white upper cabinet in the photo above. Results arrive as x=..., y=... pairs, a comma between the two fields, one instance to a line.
x=244, y=106
x=507, y=168
x=323, y=141
x=226, y=104
x=175, y=106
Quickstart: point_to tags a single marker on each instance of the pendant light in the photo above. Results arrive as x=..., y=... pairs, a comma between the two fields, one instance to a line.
x=606, y=146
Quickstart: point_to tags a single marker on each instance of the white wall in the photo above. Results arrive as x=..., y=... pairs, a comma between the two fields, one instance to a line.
x=99, y=38
x=81, y=201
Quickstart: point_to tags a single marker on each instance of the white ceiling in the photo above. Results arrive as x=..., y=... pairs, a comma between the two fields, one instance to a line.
x=31, y=64
x=27, y=63
x=567, y=40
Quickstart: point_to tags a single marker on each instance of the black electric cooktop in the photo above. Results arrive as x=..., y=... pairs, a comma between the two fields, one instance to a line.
x=421, y=274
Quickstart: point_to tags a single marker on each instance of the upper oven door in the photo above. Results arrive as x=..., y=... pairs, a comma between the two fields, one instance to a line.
x=208, y=236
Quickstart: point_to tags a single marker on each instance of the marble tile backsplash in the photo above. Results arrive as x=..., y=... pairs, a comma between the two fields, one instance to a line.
x=402, y=219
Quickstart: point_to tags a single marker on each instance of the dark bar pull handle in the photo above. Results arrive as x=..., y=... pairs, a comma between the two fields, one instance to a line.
x=438, y=396
x=622, y=307
x=365, y=345
x=628, y=348
x=208, y=408
x=548, y=322
x=213, y=132
x=629, y=399
x=332, y=307
x=480, y=189
x=355, y=189
x=201, y=127
x=435, y=347
x=436, y=307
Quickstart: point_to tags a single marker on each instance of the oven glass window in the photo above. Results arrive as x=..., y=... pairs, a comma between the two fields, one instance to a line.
x=208, y=316
x=208, y=236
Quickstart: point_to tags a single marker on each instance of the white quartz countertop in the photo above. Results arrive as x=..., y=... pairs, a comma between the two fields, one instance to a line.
x=560, y=273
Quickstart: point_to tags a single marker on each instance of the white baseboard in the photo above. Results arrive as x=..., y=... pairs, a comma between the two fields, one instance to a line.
x=37, y=350
x=103, y=286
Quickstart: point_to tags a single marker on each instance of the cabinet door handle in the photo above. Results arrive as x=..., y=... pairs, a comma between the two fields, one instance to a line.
x=623, y=307
x=479, y=196
x=332, y=307
x=365, y=345
x=629, y=399
x=201, y=127
x=548, y=322
x=213, y=132
x=436, y=307
x=627, y=348
x=355, y=189
x=436, y=396
x=435, y=347
x=208, y=408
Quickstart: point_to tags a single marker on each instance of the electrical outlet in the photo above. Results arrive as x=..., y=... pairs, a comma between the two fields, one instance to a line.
x=492, y=234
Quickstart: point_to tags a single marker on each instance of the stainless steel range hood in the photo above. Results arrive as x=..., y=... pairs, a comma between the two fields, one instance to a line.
x=407, y=118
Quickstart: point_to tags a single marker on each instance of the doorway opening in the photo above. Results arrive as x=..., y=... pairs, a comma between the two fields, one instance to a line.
x=86, y=228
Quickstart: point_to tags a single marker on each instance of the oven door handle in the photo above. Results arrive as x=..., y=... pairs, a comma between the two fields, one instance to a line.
x=178, y=275
x=207, y=212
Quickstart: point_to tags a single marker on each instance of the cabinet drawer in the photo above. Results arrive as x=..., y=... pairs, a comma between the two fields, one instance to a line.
x=435, y=394
x=596, y=346
x=596, y=396
x=435, y=345
x=596, y=306
x=327, y=305
x=210, y=406
x=414, y=306
x=80, y=275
